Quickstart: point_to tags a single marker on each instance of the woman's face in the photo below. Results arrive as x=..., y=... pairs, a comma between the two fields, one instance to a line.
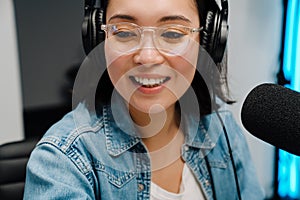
x=148, y=77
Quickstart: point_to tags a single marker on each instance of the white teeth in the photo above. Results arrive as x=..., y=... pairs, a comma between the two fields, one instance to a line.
x=149, y=81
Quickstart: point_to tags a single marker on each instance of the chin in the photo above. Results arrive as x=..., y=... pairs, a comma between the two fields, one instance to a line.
x=153, y=106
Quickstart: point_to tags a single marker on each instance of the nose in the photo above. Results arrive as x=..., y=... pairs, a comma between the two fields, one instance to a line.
x=147, y=52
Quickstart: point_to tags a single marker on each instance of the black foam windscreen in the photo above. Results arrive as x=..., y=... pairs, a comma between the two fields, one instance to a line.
x=272, y=113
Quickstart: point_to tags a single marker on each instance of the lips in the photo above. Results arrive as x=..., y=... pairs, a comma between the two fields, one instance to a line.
x=149, y=82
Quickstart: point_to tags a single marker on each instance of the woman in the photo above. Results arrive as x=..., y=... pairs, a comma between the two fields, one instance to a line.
x=156, y=132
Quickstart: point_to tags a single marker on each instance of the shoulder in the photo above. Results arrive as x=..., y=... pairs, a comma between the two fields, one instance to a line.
x=221, y=124
x=236, y=135
x=231, y=125
x=73, y=127
x=219, y=120
x=228, y=120
x=209, y=130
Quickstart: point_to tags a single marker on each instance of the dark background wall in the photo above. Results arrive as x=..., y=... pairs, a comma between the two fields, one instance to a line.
x=50, y=51
x=50, y=47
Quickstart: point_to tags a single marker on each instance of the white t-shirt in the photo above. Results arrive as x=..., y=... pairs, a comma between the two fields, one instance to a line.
x=189, y=189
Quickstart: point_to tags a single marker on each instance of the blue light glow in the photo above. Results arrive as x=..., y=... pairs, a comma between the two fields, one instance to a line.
x=296, y=76
x=289, y=53
x=288, y=164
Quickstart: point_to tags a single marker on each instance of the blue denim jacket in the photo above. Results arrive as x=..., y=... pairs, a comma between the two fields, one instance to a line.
x=85, y=156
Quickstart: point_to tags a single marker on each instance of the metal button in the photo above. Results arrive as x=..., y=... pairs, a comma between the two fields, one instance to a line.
x=207, y=183
x=186, y=148
x=141, y=187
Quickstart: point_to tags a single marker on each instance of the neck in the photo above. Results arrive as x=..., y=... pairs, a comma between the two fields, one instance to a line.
x=156, y=129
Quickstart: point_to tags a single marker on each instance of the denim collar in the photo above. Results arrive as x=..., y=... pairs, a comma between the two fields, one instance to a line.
x=120, y=132
x=121, y=135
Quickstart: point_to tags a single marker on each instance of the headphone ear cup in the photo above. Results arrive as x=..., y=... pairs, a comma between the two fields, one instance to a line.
x=97, y=35
x=215, y=32
x=86, y=29
x=208, y=37
x=92, y=35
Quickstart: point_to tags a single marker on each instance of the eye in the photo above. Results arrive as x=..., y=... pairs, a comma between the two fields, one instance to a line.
x=124, y=34
x=173, y=35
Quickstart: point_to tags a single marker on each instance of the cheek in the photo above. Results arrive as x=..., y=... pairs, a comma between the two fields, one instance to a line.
x=187, y=71
x=115, y=71
x=183, y=76
x=187, y=63
x=118, y=71
x=184, y=67
x=116, y=65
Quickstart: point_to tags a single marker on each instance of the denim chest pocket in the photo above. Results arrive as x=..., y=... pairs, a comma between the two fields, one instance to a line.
x=221, y=160
x=220, y=163
x=118, y=178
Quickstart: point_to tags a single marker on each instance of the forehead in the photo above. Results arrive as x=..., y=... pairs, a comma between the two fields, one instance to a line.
x=150, y=11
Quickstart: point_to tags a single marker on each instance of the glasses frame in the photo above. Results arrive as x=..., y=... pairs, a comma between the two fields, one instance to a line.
x=142, y=29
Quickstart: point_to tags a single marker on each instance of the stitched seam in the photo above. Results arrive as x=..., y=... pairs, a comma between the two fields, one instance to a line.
x=64, y=146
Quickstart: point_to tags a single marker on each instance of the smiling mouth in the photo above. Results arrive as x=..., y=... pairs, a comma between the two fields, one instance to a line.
x=149, y=82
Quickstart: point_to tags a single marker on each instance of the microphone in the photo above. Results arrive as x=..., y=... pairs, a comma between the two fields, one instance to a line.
x=272, y=113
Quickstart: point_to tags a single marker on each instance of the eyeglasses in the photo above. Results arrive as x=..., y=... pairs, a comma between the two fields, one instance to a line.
x=172, y=39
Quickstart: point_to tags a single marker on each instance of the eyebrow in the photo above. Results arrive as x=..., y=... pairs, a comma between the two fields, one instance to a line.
x=174, y=18
x=163, y=19
x=119, y=16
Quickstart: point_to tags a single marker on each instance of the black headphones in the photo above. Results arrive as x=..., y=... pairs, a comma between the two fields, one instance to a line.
x=213, y=37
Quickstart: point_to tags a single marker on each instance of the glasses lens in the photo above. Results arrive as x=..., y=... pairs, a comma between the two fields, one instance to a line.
x=172, y=39
x=125, y=37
